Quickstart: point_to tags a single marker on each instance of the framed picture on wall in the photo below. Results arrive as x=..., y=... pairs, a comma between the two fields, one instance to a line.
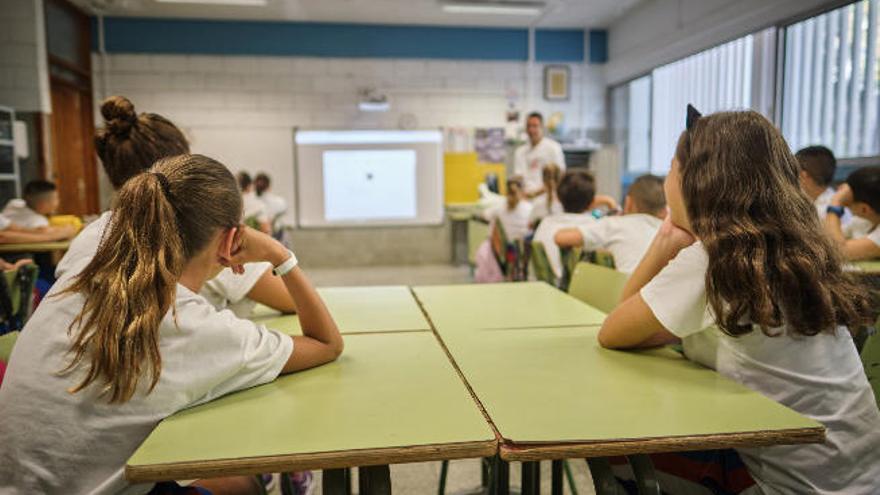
x=556, y=82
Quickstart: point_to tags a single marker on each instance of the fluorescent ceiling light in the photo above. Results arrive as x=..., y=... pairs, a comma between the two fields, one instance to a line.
x=246, y=3
x=498, y=8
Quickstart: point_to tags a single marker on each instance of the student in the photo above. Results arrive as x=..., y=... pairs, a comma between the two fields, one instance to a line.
x=547, y=203
x=130, y=143
x=861, y=195
x=513, y=213
x=818, y=165
x=40, y=200
x=254, y=209
x=275, y=205
x=742, y=249
x=127, y=341
x=12, y=233
x=530, y=159
x=626, y=236
x=577, y=190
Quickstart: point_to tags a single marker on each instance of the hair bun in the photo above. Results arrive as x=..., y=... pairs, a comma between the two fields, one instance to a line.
x=119, y=115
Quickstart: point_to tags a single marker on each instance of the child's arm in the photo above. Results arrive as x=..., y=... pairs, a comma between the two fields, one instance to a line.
x=632, y=323
x=271, y=291
x=18, y=235
x=853, y=249
x=321, y=341
x=604, y=200
x=570, y=237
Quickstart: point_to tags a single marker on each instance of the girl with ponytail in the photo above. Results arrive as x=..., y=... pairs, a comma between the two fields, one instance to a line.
x=125, y=340
x=547, y=203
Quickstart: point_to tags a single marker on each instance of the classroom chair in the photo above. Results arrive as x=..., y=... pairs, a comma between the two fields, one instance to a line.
x=871, y=360
x=541, y=264
x=602, y=258
x=512, y=257
x=569, y=257
x=17, y=297
x=477, y=232
x=598, y=286
x=252, y=222
x=7, y=342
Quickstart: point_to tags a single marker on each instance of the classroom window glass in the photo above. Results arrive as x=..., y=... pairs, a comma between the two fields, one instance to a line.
x=631, y=123
x=831, y=81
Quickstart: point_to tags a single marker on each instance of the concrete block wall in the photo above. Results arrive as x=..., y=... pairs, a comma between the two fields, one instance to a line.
x=24, y=80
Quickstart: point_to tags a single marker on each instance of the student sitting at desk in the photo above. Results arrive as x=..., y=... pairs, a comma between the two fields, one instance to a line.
x=741, y=272
x=124, y=340
x=547, y=203
x=626, y=236
x=12, y=233
x=861, y=195
x=40, y=200
x=577, y=189
x=513, y=213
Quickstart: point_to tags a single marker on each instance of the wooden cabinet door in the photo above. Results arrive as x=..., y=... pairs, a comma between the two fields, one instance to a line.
x=73, y=157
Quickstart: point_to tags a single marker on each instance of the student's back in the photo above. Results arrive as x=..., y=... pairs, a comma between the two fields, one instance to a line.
x=576, y=191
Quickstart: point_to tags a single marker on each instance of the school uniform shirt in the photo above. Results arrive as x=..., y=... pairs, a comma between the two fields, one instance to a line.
x=274, y=205
x=55, y=442
x=823, y=201
x=84, y=245
x=515, y=222
x=820, y=377
x=550, y=226
x=252, y=207
x=626, y=237
x=529, y=162
x=229, y=290
x=5, y=223
x=18, y=212
x=541, y=210
x=874, y=235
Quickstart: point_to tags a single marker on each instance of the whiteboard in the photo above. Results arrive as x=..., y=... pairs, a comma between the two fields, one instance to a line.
x=369, y=177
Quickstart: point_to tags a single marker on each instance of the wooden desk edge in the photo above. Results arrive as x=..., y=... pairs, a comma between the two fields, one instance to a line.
x=510, y=451
x=302, y=462
x=34, y=247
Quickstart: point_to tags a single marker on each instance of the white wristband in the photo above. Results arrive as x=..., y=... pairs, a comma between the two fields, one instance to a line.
x=285, y=268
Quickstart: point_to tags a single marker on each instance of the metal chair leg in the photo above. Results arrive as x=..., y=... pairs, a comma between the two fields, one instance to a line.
x=531, y=478
x=444, y=470
x=374, y=480
x=569, y=475
x=603, y=478
x=646, y=478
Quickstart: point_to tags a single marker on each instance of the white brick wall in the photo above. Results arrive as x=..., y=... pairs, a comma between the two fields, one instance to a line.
x=24, y=81
x=200, y=93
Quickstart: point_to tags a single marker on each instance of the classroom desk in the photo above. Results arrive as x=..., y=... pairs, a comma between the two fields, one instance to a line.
x=34, y=247
x=504, y=305
x=390, y=398
x=362, y=310
x=554, y=393
x=870, y=266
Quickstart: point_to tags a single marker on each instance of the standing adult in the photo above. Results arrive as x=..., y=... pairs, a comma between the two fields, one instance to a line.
x=531, y=158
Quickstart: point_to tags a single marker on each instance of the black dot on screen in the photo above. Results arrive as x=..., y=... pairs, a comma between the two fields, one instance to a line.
x=369, y=176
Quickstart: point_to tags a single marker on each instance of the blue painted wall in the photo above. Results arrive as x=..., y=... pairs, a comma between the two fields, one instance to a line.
x=145, y=35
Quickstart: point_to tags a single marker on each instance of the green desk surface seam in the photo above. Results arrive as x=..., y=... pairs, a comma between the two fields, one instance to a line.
x=362, y=401
x=603, y=395
x=505, y=305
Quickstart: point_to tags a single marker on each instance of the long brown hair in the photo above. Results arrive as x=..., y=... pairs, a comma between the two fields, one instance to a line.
x=129, y=143
x=550, y=175
x=160, y=221
x=770, y=263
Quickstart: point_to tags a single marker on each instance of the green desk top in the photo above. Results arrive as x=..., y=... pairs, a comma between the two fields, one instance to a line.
x=34, y=247
x=558, y=386
x=389, y=398
x=505, y=305
x=363, y=310
x=870, y=266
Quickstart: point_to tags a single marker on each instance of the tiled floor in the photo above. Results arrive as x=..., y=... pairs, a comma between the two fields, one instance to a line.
x=422, y=478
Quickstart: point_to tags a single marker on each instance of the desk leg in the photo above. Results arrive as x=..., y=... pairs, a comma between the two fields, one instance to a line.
x=646, y=477
x=500, y=477
x=531, y=478
x=557, y=488
x=335, y=482
x=374, y=480
x=603, y=478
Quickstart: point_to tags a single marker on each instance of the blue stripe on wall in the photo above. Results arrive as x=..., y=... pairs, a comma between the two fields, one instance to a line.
x=141, y=35
x=598, y=46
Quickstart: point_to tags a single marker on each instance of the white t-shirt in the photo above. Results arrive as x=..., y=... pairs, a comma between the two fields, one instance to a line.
x=229, y=291
x=274, y=205
x=57, y=442
x=4, y=222
x=820, y=377
x=84, y=245
x=540, y=209
x=874, y=235
x=529, y=162
x=553, y=224
x=252, y=207
x=515, y=222
x=18, y=212
x=627, y=237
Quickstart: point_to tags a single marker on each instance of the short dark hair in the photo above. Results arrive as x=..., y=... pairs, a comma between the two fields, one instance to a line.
x=244, y=180
x=865, y=185
x=36, y=189
x=647, y=192
x=576, y=191
x=819, y=163
x=536, y=115
x=261, y=183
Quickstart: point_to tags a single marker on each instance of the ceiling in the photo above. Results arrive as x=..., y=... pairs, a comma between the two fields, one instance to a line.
x=558, y=13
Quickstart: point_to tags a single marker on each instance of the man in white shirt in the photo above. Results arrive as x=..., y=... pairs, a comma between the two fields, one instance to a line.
x=40, y=200
x=576, y=192
x=626, y=237
x=531, y=158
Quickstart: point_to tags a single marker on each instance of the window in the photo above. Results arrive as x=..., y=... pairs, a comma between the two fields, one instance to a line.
x=631, y=124
x=831, y=81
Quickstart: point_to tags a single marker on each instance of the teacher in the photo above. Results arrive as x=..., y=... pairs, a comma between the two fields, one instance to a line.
x=531, y=158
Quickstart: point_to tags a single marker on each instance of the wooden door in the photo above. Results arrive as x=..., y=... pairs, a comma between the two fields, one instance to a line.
x=72, y=150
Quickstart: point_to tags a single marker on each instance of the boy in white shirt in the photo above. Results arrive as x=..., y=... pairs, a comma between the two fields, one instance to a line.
x=818, y=165
x=861, y=195
x=577, y=189
x=626, y=237
x=40, y=201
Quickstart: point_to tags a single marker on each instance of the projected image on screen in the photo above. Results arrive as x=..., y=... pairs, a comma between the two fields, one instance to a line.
x=369, y=184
